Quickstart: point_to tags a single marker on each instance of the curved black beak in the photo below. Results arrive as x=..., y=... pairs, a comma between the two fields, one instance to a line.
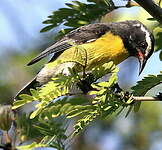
x=142, y=64
x=142, y=61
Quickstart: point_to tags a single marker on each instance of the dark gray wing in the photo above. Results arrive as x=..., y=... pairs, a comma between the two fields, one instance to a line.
x=55, y=48
x=81, y=35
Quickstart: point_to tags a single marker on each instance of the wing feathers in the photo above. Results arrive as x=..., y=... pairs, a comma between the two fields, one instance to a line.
x=52, y=49
x=84, y=34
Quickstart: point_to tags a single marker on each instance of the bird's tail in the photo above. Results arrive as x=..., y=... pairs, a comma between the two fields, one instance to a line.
x=26, y=89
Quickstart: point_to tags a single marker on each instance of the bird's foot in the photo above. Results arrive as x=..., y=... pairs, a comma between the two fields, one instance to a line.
x=85, y=83
x=124, y=96
x=116, y=88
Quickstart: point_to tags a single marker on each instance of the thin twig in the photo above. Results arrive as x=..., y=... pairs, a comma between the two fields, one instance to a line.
x=141, y=98
x=153, y=9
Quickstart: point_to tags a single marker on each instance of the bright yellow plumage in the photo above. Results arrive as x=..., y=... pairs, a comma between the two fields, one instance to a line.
x=107, y=48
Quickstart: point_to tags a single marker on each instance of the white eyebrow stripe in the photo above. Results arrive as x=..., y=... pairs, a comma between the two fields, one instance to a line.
x=148, y=39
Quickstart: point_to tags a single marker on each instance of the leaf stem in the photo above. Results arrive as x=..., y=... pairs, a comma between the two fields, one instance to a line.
x=141, y=98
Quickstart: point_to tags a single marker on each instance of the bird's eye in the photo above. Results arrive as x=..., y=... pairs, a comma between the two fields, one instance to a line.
x=143, y=45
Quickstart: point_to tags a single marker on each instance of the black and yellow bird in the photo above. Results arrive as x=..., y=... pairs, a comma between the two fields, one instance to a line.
x=102, y=42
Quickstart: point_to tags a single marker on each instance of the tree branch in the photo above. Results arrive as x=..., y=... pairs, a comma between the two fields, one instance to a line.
x=140, y=98
x=153, y=9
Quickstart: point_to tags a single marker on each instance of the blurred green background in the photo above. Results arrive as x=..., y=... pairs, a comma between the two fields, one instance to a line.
x=20, y=41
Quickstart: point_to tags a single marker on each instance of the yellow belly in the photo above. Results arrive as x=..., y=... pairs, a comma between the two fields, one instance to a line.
x=107, y=48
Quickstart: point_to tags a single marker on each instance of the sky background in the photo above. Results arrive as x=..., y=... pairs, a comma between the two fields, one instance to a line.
x=20, y=23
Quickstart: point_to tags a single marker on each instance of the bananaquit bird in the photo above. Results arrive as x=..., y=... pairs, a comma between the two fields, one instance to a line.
x=103, y=42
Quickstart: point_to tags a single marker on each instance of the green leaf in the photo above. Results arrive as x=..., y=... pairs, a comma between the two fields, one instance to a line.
x=73, y=6
x=100, y=71
x=36, y=112
x=112, y=79
x=82, y=22
x=31, y=146
x=77, y=110
x=103, y=84
x=75, y=113
x=47, y=28
x=34, y=93
x=146, y=84
x=20, y=103
x=78, y=13
x=83, y=122
x=26, y=96
x=49, y=21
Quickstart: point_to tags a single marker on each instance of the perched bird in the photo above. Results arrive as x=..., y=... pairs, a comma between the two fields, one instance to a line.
x=100, y=43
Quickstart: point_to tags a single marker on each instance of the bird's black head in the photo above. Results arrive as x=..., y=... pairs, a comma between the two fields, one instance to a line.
x=141, y=43
x=138, y=40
